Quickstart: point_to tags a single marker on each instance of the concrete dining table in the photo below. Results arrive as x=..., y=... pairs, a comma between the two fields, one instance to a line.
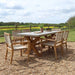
x=32, y=42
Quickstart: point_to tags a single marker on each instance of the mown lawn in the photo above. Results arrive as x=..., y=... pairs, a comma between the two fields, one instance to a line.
x=71, y=36
x=2, y=39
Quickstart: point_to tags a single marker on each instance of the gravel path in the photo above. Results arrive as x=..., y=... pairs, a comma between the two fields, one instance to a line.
x=45, y=65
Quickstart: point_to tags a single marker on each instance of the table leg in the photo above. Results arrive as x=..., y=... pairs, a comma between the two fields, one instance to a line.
x=31, y=46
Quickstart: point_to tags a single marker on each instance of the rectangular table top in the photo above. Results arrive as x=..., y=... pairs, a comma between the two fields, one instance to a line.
x=37, y=33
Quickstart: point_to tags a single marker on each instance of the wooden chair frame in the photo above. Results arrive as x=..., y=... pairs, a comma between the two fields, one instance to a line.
x=16, y=37
x=55, y=44
x=11, y=47
x=65, y=39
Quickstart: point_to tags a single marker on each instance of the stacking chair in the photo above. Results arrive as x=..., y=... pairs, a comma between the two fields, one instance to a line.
x=25, y=30
x=54, y=29
x=65, y=36
x=55, y=43
x=17, y=37
x=10, y=46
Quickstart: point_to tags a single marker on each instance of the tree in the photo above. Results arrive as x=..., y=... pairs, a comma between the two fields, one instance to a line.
x=71, y=22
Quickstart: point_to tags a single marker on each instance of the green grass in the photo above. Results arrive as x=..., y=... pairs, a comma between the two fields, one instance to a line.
x=71, y=36
x=2, y=39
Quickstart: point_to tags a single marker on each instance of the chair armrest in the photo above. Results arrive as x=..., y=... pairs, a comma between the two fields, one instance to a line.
x=14, y=43
x=18, y=38
x=46, y=39
x=21, y=42
x=51, y=40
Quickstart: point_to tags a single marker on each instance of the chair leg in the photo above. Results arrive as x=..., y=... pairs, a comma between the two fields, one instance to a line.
x=48, y=47
x=20, y=52
x=6, y=54
x=55, y=53
x=28, y=56
x=66, y=47
x=11, y=57
x=41, y=48
x=52, y=48
x=62, y=50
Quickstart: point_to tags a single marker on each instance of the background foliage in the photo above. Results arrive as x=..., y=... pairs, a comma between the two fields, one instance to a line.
x=10, y=26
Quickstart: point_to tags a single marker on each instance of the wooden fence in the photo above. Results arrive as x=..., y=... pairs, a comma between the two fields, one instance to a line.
x=10, y=29
x=32, y=28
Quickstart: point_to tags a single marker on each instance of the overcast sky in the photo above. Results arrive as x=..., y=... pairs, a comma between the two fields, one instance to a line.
x=36, y=11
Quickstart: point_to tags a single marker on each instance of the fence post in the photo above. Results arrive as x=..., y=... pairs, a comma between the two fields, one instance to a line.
x=48, y=25
x=30, y=27
x=16, y=26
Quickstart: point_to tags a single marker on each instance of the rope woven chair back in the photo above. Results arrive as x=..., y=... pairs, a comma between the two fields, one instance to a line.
x=59, y=36
x=14, y=33
x=56, y=29
x=7, y=39
x=26, y=30
x=65, y=35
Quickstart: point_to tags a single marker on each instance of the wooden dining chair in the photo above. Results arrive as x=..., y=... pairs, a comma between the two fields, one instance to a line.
x=65, y=36
x=16, y=37
x=54, y=35
x=55, y=43
x=10, y=46
x=25, y=30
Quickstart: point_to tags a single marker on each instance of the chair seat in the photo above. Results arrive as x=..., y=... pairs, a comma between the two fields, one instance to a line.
x=20, y=41
x=64, y=42
x=51, y=43
x=17, y=41
x=25, y=40
x=18, y=47
x=37, y=41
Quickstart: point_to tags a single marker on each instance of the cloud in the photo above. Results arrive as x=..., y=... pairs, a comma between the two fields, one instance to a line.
x=37, y=5
x=45, y=11
x=28, y=13
x=6, y=12
x=58, y=11
x=69, y=10
x=8, y=6
x=15, y=7
x=2, y=5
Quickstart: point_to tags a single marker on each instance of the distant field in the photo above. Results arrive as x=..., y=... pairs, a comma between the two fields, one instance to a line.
x=71, y=37
x=14, y=26
x=9, y=30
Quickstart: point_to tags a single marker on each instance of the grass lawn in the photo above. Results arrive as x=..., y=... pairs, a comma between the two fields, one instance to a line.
x=2, y=39
x=71, y=37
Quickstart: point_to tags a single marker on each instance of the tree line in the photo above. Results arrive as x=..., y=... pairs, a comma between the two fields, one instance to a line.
x=32, y=24
x=69, y=23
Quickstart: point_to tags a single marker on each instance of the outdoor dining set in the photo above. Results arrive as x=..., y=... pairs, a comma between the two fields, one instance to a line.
x=26, y=41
